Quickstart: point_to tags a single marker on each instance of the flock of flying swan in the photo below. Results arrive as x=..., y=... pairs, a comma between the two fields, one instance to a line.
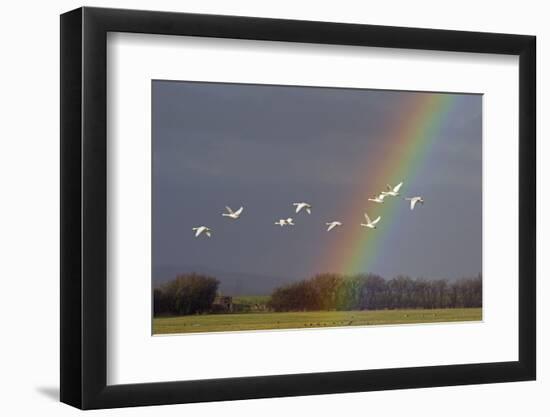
x=306, y=207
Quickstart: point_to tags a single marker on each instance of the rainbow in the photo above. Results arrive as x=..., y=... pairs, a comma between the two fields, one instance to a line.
x=405, y=147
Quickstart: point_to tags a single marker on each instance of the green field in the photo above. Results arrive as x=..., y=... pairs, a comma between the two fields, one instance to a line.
x=304, y=320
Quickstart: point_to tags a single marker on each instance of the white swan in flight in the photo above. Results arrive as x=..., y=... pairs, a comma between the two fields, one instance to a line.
x=370, y=223
x=332, y=225
x=415, y=200
x=285, y=222
x=202, y=229
x=232, y=214
x=394, y=192
x=300, y=206
x=378, y=199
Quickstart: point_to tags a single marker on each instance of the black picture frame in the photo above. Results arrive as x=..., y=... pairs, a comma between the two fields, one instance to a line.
x=84, y=207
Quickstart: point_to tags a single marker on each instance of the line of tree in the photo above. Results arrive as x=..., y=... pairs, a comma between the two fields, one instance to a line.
x=186, y=294
x=372, y=292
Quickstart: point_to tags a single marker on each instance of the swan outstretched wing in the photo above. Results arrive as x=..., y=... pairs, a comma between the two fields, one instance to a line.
x=413, y=202
x=397, y=187
x=376, y=220
x=367, y=218
x=239, y=211
x=298, y=206
x=332, y=225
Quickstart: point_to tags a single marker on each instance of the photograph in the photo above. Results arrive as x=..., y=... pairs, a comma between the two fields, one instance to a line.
x=280, y=205
x=302, y=207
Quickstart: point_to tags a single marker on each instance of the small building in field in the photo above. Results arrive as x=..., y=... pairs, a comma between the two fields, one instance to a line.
x=223, y=303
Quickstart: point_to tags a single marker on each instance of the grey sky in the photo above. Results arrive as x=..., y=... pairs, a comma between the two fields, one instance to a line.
x=266, y=146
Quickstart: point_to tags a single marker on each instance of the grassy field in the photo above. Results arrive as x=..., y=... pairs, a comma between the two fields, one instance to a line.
x=301, y=320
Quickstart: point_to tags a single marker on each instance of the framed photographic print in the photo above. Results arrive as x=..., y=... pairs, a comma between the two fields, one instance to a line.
x=257, y=208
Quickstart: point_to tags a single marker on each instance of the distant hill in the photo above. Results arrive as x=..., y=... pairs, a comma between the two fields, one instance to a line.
x=231, y=283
